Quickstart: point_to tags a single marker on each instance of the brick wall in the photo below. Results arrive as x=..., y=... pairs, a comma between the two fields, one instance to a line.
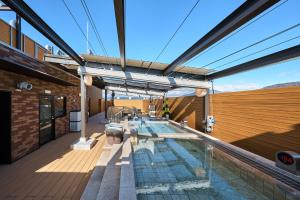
x=25, y=110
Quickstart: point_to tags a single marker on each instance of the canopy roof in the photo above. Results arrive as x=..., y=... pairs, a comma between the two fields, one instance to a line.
x=145, y=75
x=146, y=64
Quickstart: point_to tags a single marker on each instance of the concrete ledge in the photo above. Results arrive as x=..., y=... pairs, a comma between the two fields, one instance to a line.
x=93, y=186
x=127, y=180
x=109, y=188
x=83, y=145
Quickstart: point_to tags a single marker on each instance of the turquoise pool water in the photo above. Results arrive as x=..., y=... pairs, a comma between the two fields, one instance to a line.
x=185, y=169
x=150, y=128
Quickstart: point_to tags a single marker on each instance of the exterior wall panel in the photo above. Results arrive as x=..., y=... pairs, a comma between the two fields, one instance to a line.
x=94, y=94
x=29, y=47
x=5, y=32
x=261, y=121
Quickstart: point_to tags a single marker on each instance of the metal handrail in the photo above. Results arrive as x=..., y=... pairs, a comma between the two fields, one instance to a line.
x=116, y=113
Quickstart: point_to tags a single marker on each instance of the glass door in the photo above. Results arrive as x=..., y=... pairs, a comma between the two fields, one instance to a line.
x=46, y=119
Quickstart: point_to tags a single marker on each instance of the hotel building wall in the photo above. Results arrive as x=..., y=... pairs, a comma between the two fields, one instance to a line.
x=25, y=110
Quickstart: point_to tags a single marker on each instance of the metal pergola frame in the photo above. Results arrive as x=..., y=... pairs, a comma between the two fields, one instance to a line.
x=22, y=9
x=240, y=16
x=120, y=21
x=277, y=57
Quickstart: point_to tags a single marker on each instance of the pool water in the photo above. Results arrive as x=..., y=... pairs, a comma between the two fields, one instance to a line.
x=150, y=128
x=193, y=169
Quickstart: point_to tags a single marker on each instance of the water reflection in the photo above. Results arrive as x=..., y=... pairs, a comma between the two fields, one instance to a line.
x=183, y=169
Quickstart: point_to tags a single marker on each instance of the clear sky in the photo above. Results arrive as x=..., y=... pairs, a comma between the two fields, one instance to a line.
x=150, y=23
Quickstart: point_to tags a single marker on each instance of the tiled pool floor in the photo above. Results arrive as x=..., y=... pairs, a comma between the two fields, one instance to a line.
x=181, y=169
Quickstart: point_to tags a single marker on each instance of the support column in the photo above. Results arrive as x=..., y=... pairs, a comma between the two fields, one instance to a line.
x=206, y=106
x=83, y=108
x=18, y=32
x=84, y=143
x=113, y=98
x=105, y=103
x=206, y=111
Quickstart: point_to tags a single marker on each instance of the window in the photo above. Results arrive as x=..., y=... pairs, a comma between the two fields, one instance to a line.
x=59, y=106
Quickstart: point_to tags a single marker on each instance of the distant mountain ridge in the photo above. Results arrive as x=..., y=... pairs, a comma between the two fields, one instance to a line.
x=280, y=85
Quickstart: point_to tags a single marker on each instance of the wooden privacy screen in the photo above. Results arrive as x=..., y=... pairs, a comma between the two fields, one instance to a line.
x=129, y=103
x=5, y=32
x=8, y=36
x=190, y=108
x=109, y=103
x=261, y=121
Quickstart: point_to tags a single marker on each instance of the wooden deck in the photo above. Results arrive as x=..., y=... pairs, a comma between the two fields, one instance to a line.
x=54, y=171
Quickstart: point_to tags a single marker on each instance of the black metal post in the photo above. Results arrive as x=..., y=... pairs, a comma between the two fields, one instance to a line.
x=18, y=32
x=113, y=98
x=120, y=22
x=105, y=103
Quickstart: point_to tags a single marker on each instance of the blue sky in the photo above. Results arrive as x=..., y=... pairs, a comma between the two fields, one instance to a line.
x=149, y=24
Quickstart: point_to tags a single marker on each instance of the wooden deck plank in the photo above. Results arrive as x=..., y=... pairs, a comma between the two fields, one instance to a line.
x=70, y=175
x=73, y=182
x=77, y=189
x=52, y=176
x=36, y=182
x=54, y=171
x=32, y=161
x=22, y=180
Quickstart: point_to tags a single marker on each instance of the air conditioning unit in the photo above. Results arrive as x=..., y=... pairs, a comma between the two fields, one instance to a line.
x=24, y=86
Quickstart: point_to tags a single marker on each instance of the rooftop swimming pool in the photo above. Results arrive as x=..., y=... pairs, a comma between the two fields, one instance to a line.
x=167, y=168
x=155, y=128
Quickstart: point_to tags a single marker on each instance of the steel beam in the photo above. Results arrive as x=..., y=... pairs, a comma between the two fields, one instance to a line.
x=120, y=21
x=240, y=16
x=277, y=57
x=22, y=9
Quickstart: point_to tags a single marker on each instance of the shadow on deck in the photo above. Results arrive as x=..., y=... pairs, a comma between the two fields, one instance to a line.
x=54, y=171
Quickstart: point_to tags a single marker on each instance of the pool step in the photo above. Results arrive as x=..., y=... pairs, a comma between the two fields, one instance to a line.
x=127, y=182
x=93, y=187
x=109, y=188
